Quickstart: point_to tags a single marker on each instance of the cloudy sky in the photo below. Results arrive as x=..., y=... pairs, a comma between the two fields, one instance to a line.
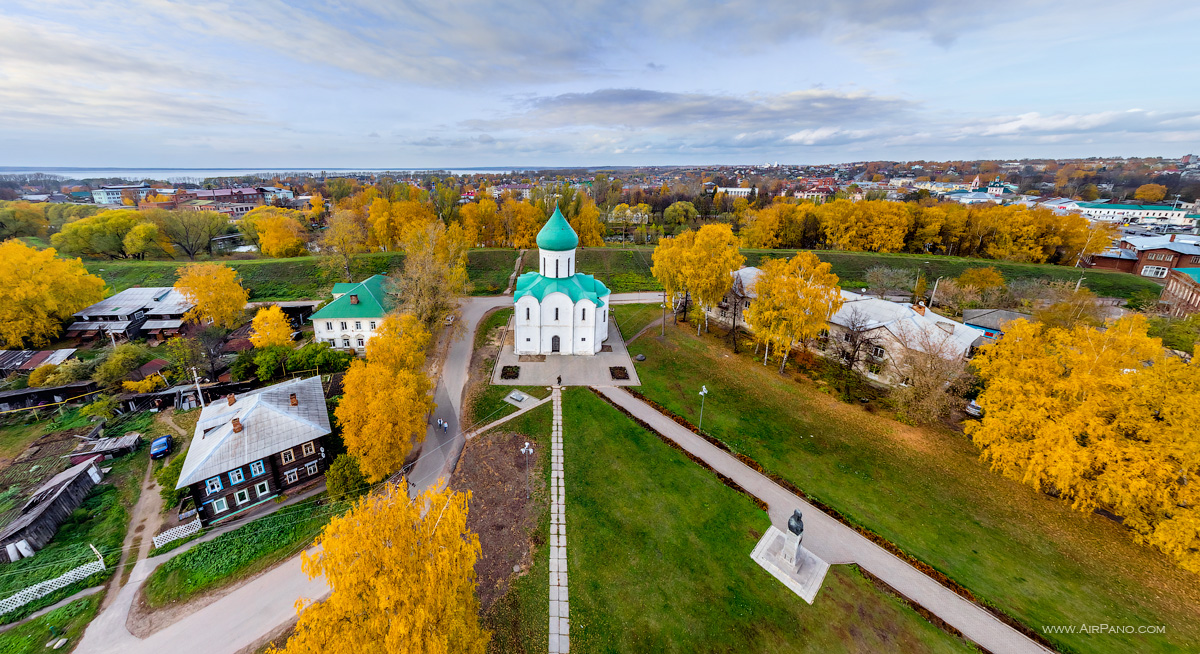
x=458, y=83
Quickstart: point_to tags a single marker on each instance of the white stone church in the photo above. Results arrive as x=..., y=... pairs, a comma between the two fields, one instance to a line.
x=559, y=310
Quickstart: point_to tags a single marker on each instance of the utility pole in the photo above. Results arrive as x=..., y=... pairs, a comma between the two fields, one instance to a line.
x=199, y=393
x=527, y=450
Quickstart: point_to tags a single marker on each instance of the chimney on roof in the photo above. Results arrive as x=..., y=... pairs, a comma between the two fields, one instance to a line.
x=237, y=426
x=294, y=401
x=1172, y=238
x=231, y=399
x=353, y=299
x=919, y=307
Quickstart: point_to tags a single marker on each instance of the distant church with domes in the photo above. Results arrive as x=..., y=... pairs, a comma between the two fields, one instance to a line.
x=558, y=310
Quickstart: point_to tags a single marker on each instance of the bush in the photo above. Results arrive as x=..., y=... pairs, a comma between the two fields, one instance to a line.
x=243, y=366
x=319, y=356
x=269, y=362
x=167, y=477
x=344, y=480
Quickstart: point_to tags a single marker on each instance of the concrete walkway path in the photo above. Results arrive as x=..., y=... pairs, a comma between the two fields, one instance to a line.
x=835, y=542
x=560, y=624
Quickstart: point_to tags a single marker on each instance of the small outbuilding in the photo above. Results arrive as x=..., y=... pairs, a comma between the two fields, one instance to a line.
x=46, y=509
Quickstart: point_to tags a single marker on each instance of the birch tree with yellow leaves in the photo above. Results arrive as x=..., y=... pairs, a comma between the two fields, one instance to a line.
x=270, y=327
x=401, y=575
x=38, y=291
x=794, y=300
x=670, y=261
x=215, y=291
x=386, y=399
x=1101, y=417
x=709, y=266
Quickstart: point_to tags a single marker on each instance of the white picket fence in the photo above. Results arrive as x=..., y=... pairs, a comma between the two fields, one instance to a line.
x=49, y=586
x=175, y=533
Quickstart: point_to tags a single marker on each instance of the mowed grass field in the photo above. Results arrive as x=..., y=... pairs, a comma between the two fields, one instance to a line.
x=301, y=278
x=659, y=560
x=926, y=490
x=623, y=270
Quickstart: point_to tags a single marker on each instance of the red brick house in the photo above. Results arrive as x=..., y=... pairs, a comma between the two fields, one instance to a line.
x=1182, y=294
x=1150, y=256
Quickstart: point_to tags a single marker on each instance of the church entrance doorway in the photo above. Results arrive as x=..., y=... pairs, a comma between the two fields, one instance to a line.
x=554, y=347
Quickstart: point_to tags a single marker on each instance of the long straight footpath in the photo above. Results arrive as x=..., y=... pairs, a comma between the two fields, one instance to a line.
x=835, y=542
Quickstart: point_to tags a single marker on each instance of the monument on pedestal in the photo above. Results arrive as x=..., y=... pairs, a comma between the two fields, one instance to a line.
x=783, y=555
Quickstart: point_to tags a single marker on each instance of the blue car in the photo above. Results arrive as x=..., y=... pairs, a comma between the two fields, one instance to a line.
x=160, y=447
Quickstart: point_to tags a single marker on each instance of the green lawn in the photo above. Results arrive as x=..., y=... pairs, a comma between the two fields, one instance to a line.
x=301, y=277
x=632, y=318
x=237, y=554
x=68, y=622
x=622, y=270
x=926, y=491
x=663, y=563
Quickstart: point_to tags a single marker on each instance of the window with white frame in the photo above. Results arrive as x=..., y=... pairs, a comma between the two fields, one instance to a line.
x=292, y=476
x=1155, y=271
x=372, y=323
x=329, y=325
x=333, y=342
x=345, y=342
x=361, y=343
x=343, y=324
x=311, y=468
x=236, y=476
x=358, y=324
x=262, y=488
x=220, y=506
x=257, y=468
x=877, y=352
x=846, y=336
x=287, y=455
x=213, y=485
x=242, y=496
x=309, y=448
x=875, y=367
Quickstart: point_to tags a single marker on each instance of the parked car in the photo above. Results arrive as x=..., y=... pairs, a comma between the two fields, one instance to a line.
x=974, y=410
x=160, y=447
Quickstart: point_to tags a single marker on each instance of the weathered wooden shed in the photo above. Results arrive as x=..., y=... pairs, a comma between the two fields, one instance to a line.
x=46, y=509
x=106, y=448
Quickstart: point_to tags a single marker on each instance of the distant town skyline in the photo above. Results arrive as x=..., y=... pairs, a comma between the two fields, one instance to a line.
x=420, y=85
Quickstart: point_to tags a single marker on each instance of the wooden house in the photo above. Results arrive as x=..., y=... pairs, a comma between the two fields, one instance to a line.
x=46, y=509
x=249, y=448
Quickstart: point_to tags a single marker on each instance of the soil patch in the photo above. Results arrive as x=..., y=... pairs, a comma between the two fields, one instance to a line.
x=493, y=469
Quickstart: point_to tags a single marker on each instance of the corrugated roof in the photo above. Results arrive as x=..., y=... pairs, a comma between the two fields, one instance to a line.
x=992, y=318
x=370, y=301
x=154, y=300
x=869, y=313
x=269, y=425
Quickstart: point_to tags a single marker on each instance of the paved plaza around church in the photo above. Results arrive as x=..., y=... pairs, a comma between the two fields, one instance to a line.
x=575, y=370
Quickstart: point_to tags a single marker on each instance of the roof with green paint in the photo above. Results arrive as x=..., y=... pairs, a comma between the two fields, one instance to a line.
x=576, y=287
x=557, y=235
x=370, y=301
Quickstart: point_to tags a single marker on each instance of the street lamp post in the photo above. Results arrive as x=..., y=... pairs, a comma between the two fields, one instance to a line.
x=527, y=450
x=703, y=393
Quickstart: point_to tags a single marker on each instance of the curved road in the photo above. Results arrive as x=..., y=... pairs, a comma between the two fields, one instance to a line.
x=241, y=618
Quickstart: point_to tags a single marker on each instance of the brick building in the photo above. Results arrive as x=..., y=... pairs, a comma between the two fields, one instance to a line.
x=1182, y=293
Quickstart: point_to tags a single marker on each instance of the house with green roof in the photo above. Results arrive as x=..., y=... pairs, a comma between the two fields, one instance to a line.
x=352, y=318
x=559, y=310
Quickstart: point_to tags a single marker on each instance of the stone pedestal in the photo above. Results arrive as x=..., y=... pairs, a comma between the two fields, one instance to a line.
x=781, y=554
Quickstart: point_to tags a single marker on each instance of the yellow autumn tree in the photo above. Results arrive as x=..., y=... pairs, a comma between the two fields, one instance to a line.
x=386, y=399
x=1103, y=418
x=1150, y=192
x=316, y=204
x=981, y=279
x=345, y=237
x=709, y=270
x=41, y=374
x=670, y=262
x=281, y=235
x=794, y=300
x=38, y=291
x=587, y=225
x=270, y=327
x=401, y=575
x=147, y=385
x=434, y=276
x=215, y=291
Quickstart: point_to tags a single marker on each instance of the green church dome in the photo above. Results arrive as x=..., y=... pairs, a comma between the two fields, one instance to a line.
x=557, y=234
